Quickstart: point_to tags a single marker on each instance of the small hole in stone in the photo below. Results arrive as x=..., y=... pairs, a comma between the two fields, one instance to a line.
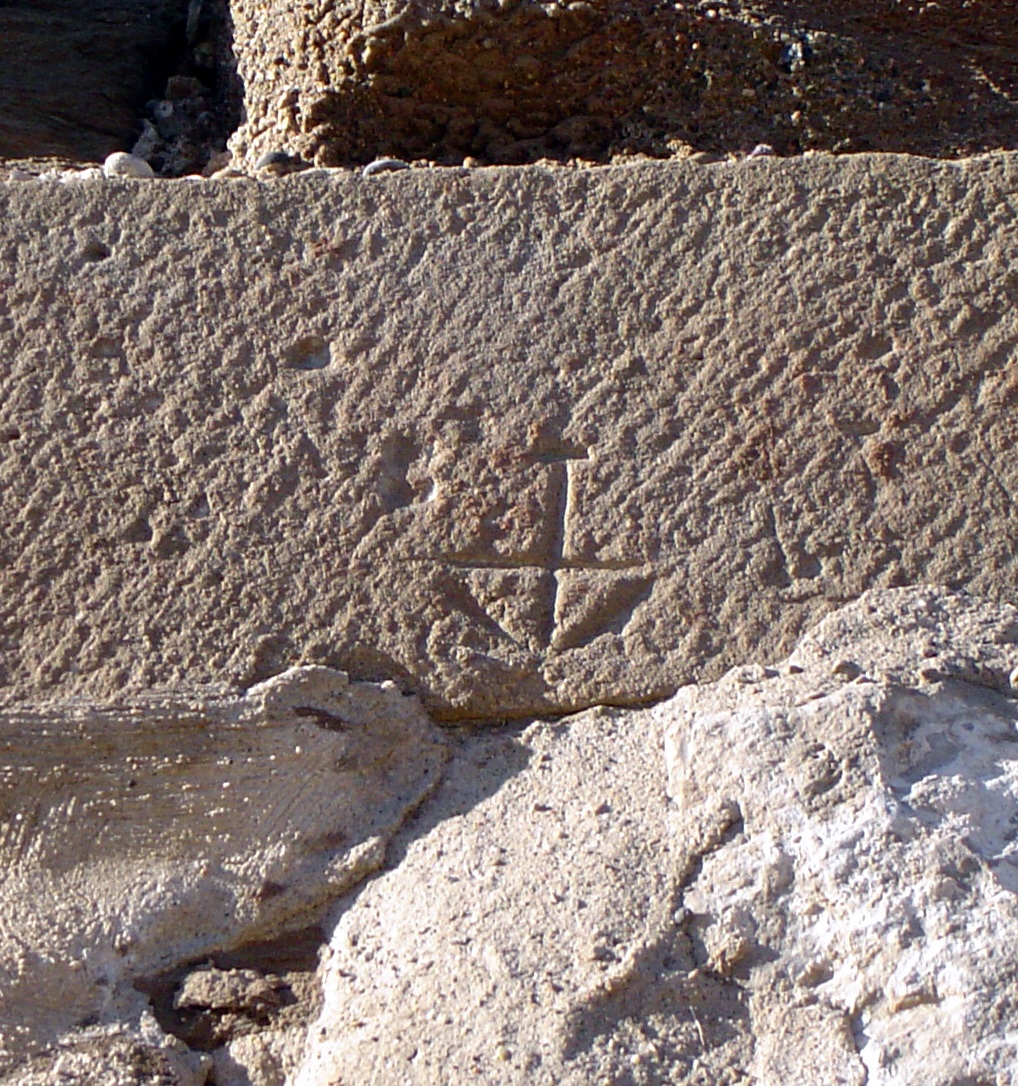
x=95, y=250
x=310, y=353
x=138, y=531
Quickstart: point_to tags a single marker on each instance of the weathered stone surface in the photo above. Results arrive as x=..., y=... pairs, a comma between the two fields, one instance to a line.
x=343, y=81
x=523, y=440
x=797, y=875
x=114, y=1056
x=523, y=899
x=142, y=837
x=863, y=896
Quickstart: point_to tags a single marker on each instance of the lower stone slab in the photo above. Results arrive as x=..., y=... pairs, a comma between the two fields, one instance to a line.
x=143, y=838
x=800, y=874
x=522, y=440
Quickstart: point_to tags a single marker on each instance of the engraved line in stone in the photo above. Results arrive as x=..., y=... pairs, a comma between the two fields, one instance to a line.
x=560, y=462
x=522, y=563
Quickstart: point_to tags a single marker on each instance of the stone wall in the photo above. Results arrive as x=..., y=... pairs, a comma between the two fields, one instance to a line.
x=339, y=83
x=506, y=442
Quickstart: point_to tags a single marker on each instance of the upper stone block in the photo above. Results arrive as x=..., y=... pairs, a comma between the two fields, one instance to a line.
x=340, y=82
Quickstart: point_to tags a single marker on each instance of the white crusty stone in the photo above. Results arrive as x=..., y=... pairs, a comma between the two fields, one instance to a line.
x=517, y=929
x=121, y=164
x=861, y=892
x=788, y=878
x=141, y=836
x=114, y=1055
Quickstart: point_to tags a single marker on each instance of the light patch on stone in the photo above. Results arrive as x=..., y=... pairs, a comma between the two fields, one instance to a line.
x=801, y=874
x=868, y=904
x=140, y=836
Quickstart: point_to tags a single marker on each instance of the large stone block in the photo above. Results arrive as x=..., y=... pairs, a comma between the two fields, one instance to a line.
x=522, y=440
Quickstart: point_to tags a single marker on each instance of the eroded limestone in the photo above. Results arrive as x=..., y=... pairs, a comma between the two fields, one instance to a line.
x=867, y=886
x=142, y=837
x=789, y=876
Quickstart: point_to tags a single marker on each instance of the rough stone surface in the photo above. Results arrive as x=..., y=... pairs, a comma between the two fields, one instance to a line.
x=343, y=81
x=796, y=875
x=522, y=440
x=140, y=837
x=864, y=896
x=523, y=898
x=114, y=1056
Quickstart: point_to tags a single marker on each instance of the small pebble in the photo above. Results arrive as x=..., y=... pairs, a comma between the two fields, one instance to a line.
x=273, y=159
x=846, y=669
x=121, y=164
x=65, y=176
x=384, y=165
x=761, y=149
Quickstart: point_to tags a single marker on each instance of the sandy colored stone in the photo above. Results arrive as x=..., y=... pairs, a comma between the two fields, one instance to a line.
x=114, y=1055
x=143, y=836
x=521, y=440
x=785, y=877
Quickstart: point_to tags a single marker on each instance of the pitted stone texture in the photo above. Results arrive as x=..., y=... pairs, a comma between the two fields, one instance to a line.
x=865, y=897
x=829, y=895
x=522, y=440
x=343, y=81
x=141, y=836
x=115, y=1056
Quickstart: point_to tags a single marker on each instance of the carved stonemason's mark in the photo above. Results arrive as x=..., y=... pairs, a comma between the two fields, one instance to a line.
x=557, y=599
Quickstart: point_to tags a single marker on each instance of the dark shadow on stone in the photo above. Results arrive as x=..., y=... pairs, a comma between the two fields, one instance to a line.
x=76, y=74
x=290, y=961
x=80, y=80
x=200, y=104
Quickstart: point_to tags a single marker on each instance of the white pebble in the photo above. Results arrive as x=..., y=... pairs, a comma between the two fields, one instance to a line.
x=121, y=164
x=384, y=165
x=66, y=176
